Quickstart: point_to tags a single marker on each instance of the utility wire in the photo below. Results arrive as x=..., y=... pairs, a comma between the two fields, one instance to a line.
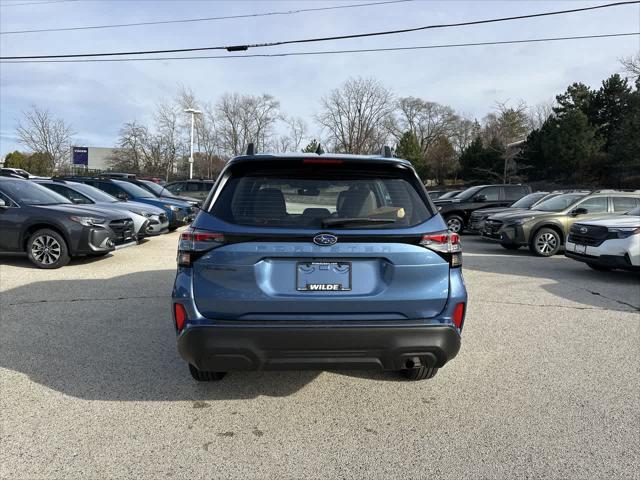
x=237, y=48
x=327, y=52
x=5, y=5
x=207, y=19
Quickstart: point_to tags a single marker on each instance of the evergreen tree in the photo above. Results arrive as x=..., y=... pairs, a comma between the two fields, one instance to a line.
x=311, y=147
x=409, y=148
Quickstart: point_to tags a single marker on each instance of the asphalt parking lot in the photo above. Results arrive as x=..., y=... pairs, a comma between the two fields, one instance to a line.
x=547, y=383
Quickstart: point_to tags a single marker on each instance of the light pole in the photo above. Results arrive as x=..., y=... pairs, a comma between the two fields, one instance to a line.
x=193, y=113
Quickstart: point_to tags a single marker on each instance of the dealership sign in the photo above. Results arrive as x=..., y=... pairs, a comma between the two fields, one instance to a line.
x=80, y=155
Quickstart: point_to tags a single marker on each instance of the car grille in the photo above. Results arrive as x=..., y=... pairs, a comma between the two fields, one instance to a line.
x=123, y=230
x=492, y=226
x=588, y=234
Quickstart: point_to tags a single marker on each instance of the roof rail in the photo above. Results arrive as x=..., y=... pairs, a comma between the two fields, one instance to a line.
x=616, y=190
x=251, y=149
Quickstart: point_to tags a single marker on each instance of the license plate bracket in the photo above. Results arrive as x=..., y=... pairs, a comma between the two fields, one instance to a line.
x=323, y=276
x=581, y=249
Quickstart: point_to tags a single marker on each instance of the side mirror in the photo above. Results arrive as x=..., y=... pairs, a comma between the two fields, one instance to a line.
x=480, y=198
x=579, y=211
x=3, y=204
x=122, y=196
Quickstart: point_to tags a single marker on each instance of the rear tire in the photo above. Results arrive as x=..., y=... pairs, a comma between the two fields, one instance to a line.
x=546, y=242
x=202, y=376
x=510, y=246
x=420, y=373
x=599, y=268
x=47, y=249
x=455, y=223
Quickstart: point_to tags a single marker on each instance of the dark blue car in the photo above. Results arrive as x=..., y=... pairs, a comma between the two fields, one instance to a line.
x=318, y=261
x=179, y=213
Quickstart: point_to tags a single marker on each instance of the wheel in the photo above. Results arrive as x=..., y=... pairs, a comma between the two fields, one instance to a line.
x=599, y=268
x=545, y=242
x=201, y=376
x=47, y=249
x=420, y=373
x=510, y=246
x=455, y=223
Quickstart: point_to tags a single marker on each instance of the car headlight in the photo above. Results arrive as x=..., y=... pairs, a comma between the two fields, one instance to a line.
x=141, y=212
x=521, y=221
x=625, y=232
x=173, y=208
x=88, y=221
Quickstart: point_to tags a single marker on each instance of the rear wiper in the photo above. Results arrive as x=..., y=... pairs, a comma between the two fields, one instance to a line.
x=344, y=222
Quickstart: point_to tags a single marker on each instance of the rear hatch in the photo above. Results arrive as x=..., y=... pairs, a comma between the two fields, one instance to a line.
x=294, y=240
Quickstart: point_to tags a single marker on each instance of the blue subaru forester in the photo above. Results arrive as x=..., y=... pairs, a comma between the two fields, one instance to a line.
x=318, y=261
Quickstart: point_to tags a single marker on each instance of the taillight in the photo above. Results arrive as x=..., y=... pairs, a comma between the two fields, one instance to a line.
x=196, y=242
x=458, y=315
x=447, y=244
x=180, y=316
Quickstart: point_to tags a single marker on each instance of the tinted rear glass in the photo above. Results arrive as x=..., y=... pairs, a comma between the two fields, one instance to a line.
x=331, y=198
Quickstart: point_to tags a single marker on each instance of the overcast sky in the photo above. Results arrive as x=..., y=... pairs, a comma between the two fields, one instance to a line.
x=97, y=98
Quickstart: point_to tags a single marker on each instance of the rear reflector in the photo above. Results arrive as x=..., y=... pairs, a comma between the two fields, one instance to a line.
x=180, y=315
x=458, y=315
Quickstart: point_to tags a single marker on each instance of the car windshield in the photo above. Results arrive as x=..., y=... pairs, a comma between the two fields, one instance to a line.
x=28, y=193
x=635, y=212
x=159, y=190
x=528, y=200
x=93, y=193
x=559, y=203
x=449, y=194
x=306, y=199
x=468, y=193
x=134, y=190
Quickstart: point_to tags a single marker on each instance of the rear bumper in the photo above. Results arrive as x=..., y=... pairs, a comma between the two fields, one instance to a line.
x=245, y=346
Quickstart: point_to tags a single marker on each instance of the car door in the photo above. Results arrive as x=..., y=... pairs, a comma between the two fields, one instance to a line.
x=11, y=219
x=595, y=206
x=492, y=198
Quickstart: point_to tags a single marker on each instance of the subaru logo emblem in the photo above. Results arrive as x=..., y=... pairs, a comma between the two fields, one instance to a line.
x=584, y=229
x=325, y=239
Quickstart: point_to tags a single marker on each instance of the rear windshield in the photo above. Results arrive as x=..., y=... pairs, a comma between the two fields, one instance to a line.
x=333, y=198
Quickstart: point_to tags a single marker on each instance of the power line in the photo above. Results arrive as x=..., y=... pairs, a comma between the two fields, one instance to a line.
x=34, y=3
x=236, y=48
x=328, y=52
x=207, y=19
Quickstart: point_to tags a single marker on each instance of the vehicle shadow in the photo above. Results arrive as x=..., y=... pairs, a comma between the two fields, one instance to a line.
x=113, y=339
x=570, y=280
x=21, y=260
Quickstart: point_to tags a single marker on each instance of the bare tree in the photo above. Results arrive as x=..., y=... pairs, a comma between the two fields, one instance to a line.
x=631, y=64
x=538, y=114
x=242, y=119
x=357, y=115
x=133, y=145
x=428, y=121
x=507, y=124
x=463, y=132
x=297, y=131
x=42, y=133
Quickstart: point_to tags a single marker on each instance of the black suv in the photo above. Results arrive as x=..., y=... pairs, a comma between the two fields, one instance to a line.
x=457, y=211
x=51, y=229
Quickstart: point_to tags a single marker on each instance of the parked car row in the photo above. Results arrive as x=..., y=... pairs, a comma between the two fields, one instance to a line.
x=55, y=219
x=600, y=228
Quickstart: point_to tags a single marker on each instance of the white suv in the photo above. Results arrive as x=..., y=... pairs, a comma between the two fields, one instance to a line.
x=608, y=242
